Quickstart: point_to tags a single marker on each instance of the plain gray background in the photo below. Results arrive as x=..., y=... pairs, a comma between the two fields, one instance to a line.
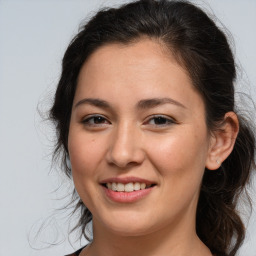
x=33, y=38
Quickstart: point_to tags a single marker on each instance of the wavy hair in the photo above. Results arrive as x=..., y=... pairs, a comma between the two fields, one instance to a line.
x=203, y=50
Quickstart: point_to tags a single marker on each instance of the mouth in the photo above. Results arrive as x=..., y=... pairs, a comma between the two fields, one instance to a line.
x=127, y=187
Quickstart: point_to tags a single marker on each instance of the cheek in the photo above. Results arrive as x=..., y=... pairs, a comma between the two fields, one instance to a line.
x=179, y=153
x=179, y=162
x=85, y=153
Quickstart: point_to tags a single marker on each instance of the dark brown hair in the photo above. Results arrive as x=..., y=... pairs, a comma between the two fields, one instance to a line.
x=202, y=48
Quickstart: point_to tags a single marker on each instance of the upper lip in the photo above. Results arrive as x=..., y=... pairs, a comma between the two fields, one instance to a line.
x=126, y=180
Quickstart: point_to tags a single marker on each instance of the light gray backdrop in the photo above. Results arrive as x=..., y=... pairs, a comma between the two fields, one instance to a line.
x=33, y=38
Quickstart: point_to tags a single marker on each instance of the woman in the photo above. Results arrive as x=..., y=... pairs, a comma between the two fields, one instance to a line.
x=145, y=114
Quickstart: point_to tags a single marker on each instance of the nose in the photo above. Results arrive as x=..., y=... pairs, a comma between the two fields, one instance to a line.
x=126, y=147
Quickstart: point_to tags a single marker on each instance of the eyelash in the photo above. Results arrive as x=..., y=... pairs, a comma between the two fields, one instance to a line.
x=166, y=121
x=87, y=120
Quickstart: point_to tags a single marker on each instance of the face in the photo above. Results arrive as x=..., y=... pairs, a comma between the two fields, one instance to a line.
x=138, y=141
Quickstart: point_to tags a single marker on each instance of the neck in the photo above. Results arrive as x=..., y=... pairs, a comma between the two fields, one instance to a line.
x=166, y=241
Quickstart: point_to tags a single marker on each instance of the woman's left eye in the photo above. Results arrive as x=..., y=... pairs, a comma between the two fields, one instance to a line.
x=160, y=121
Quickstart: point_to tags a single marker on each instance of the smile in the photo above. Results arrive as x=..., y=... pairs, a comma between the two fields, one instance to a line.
x=128, y=187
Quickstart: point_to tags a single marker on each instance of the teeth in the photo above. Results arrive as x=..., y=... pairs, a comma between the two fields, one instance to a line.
x=136, y=186
x=142, y=186
x=120, y=187
x=114, y=186
x=129, y=187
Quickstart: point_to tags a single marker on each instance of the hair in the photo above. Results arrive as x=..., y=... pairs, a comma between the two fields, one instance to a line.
x=203, y=50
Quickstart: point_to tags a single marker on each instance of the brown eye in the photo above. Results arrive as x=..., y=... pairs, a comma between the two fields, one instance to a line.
x=160, y=121
x=95, y=120
x=98, y=120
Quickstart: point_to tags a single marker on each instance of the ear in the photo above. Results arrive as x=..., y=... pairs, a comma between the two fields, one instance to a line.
x=222, y=141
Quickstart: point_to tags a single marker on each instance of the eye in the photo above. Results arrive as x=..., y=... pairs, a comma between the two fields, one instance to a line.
x=95, y=120
x=160, y=120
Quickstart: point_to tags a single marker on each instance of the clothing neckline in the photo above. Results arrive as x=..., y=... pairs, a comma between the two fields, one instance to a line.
x=77, y=253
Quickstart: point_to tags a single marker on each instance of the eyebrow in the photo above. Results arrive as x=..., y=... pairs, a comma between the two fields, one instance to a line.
x=94, y=102
x=142, y=104
x=154, y=102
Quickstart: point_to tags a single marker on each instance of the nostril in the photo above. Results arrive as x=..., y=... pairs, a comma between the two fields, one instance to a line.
x=125, y=153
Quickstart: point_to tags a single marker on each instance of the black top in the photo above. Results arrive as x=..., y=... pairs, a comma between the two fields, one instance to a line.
x=76, y=253
x=79, y=251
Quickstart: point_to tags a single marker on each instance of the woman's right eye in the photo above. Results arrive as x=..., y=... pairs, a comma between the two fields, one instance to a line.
x=95, y=120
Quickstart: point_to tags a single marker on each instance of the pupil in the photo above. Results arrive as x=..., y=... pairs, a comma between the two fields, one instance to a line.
x=98, y=119
x=160, y=120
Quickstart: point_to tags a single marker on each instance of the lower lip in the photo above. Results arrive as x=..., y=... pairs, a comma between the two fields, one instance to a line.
x=127, y=197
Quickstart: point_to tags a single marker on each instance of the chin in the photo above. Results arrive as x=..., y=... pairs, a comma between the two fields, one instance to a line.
x=128, y=230
x=129, y=224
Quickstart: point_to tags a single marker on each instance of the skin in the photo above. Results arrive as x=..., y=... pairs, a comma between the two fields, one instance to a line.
x=128, y=140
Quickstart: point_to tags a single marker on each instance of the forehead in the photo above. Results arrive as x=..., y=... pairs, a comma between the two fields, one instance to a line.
x=148, y=52
x=141, y=70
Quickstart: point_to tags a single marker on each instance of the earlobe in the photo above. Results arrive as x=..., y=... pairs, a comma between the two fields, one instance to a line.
x=222, y=141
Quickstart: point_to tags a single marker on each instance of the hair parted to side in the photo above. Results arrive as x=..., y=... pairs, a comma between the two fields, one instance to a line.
x=202, y=49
